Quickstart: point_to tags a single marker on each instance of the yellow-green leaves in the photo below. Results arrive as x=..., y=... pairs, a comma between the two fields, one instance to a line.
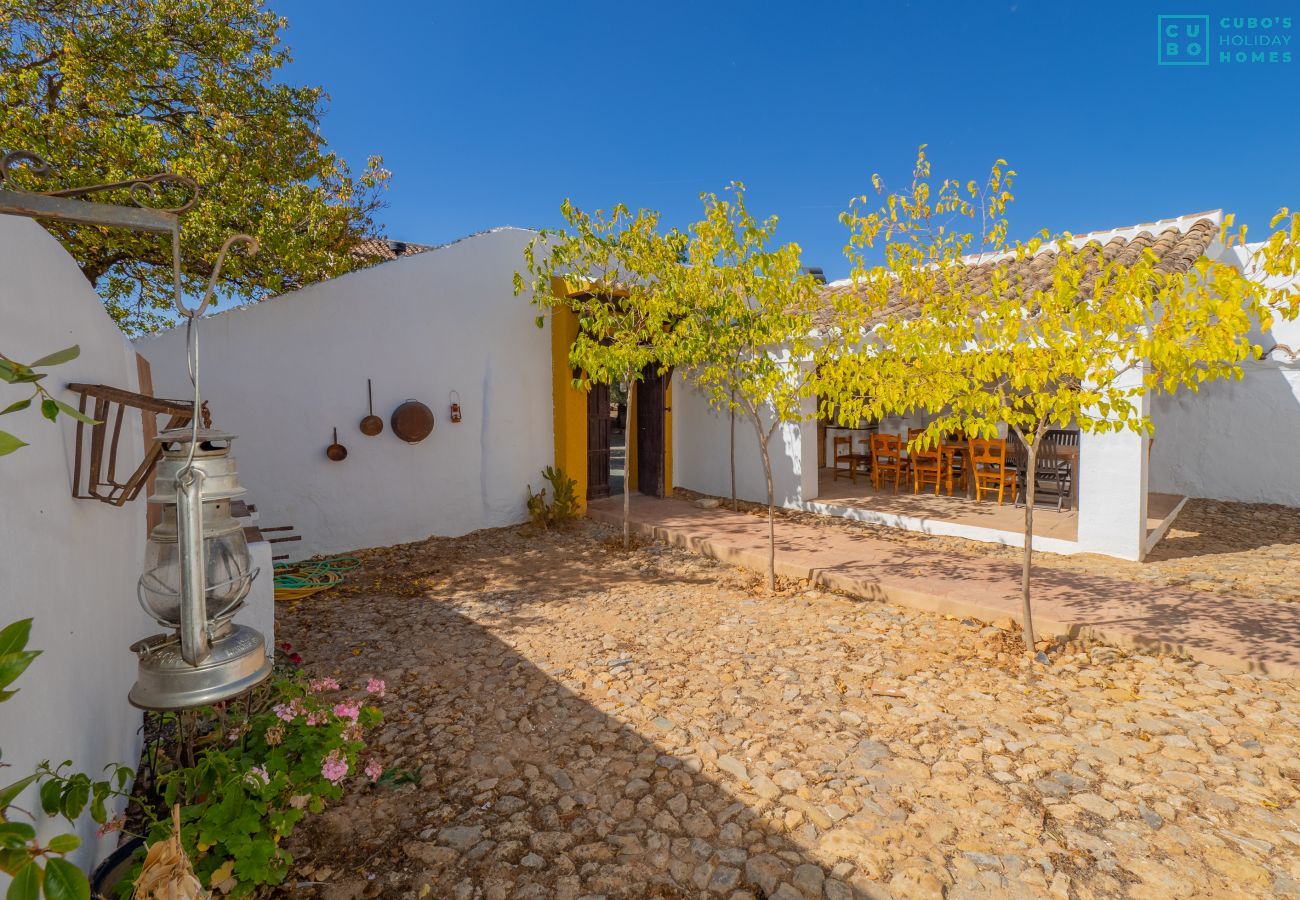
x=611, y=270
x=749, y=329
x=980, y=332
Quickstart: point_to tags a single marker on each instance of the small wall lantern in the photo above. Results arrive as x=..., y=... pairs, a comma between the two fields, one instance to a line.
x=455, y=406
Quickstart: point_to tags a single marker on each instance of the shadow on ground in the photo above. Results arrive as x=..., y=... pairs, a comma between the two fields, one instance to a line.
x=525, y=789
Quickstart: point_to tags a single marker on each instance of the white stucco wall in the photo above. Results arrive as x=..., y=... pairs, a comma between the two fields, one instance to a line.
x=1236, y=440
x=70, y=564
x=702, y=457
x=283, y=373
x=1232, y=440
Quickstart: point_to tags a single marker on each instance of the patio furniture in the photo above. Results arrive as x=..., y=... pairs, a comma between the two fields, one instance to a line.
x=887, y=460
x=990, y=467
x=1053, y=473
x=853, y=459
x=1054, y=467
x=927, y=463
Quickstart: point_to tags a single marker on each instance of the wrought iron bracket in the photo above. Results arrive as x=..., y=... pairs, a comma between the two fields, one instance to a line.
x=67, y=206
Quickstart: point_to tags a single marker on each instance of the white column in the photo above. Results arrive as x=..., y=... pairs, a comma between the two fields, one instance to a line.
x=808, y=450
x=1112, y=489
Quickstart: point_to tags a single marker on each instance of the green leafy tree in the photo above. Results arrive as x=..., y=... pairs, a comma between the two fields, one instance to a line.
x=989, y=335
x=106, y=90
x=612, y=271
x=747, y=339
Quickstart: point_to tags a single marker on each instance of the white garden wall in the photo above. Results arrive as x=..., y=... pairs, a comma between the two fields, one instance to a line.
x=283, y=373
x=1236, y=440
x=70, y=564
x=1232, y=440
x=702, y=458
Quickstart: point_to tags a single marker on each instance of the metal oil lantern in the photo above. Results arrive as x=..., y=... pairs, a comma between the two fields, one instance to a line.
x=197, y=573
x=197, y=569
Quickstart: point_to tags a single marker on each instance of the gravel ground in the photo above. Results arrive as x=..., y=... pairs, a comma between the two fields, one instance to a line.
x=579, y=721
x=1245, y=549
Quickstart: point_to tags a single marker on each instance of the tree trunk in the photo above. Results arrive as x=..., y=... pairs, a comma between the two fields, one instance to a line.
x=630, y=392
x=771, y=515
x=1031, y=460
x=735, y=507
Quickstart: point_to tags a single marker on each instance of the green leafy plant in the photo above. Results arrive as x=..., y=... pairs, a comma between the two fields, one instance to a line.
x=42, y=870
x=12, y=372
x=563, y=508
x=565, y=491
x=258, y=776
x=538, y=508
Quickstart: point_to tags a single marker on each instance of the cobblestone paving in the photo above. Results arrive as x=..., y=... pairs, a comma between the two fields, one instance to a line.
x=582, y=722
x=1246, y=549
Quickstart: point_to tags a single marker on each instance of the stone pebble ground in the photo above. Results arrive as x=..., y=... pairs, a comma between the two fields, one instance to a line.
x=570, y=720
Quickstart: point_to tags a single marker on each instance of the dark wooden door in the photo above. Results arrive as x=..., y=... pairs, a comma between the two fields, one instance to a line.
x=598, y=442
x=650, y=431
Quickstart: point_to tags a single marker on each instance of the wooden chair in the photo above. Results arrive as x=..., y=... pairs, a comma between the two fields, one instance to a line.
x=989, y=467
x=854, y=460
x=887, y=460
x=1053, y=471
x=926, y=463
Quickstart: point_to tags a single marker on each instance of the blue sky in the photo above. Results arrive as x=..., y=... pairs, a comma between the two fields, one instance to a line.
x=492, y=113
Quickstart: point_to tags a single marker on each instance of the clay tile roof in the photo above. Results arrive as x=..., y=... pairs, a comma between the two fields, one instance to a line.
x=375, y=249
x=1177, y=244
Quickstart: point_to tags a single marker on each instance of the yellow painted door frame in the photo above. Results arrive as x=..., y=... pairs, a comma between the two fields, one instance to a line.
x=570, y=415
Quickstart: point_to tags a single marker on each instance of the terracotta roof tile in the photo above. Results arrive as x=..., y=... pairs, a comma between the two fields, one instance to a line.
x=1178, y=244
x=378, y=249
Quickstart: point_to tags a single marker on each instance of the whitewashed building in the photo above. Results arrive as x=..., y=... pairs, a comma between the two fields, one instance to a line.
x=444, y=326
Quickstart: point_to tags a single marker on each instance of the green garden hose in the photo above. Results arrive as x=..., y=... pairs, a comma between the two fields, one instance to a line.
x=297, y=581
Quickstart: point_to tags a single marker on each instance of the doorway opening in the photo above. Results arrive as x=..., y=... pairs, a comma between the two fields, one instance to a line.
x=650, y=430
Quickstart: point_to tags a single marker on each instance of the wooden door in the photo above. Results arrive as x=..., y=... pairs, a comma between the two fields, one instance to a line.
x=650, y=431
x=598, y=442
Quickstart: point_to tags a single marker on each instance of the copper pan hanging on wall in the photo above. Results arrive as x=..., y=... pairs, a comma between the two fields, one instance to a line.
x=371, y=425
x=336, y=451
x=412, y=421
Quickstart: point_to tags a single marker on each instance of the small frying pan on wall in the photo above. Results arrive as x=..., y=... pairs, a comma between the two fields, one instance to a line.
x=336, y=451
x=371, y=425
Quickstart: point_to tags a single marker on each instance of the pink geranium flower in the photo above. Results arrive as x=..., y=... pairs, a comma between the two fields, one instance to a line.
x=335, y=768
x=324, y=684
x=349, y=710
x=374, y=770
x=376, y=686
x=258, y=776
x=287, y=712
